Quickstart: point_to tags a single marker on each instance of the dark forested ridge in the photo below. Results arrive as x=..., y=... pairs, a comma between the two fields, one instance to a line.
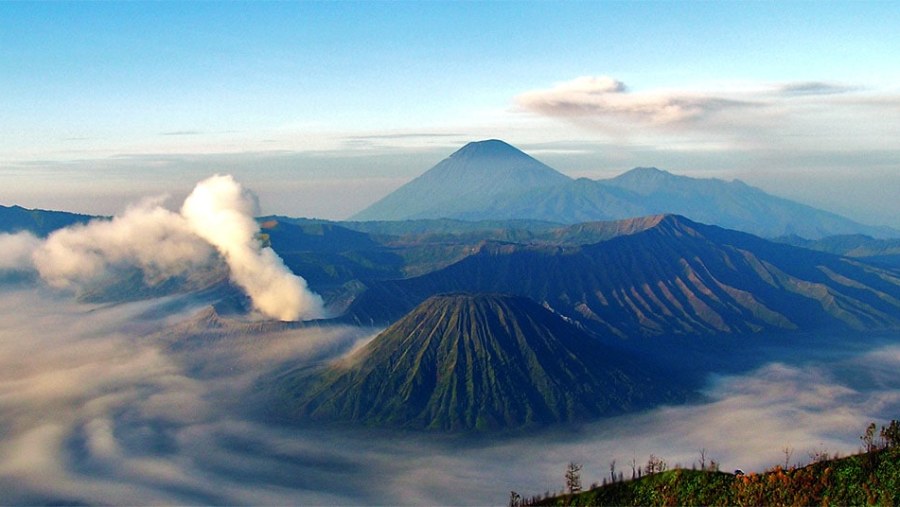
x=668, y=276
x=658, y=275
x=37, y=221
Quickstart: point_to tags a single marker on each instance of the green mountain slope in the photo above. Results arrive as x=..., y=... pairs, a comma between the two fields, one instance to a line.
x=461, y=362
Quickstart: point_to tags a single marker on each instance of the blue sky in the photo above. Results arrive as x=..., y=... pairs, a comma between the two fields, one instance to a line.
x=323, y=107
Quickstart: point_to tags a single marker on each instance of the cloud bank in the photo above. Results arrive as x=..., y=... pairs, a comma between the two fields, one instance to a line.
x=215, y=223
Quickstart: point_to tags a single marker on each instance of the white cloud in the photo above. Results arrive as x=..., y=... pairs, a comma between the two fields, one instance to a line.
x=16, y=250
x=817, y=113
x=815, y=88
x=605, y=97
x=147, y=236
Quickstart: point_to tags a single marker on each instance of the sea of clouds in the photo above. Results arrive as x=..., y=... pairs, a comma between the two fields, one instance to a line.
x=96, y=406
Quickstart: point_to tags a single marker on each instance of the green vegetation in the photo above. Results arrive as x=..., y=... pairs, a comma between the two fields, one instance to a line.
x=869, y=478
x=476, y=362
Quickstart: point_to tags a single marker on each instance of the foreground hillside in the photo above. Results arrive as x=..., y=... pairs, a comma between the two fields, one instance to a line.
x=871, y=478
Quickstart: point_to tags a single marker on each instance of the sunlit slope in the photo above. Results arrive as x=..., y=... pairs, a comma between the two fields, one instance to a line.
x=674, y=276
x=459, y=362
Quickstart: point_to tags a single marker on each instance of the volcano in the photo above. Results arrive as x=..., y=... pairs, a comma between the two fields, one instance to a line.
x=477, y=362
x=471, y=178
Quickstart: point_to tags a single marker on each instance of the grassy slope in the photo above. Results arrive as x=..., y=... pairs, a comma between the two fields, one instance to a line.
x=864, y=479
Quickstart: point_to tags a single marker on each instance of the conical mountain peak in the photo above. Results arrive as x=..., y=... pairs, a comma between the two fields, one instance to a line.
x=471, y=178
x=489, y=148
x=476, y=361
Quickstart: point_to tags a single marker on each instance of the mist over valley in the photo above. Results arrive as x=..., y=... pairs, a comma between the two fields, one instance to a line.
x=103, y=404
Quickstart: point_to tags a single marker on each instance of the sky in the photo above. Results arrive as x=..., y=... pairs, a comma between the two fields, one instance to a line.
x=322, y=108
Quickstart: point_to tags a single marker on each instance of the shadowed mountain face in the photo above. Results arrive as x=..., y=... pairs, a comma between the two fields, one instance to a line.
x=460, y=362
x=470, y=178
x=666, y=275
x=491, y=180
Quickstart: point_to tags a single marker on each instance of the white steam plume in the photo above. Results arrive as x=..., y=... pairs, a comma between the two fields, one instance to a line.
x=216, y=217
x=221, y=212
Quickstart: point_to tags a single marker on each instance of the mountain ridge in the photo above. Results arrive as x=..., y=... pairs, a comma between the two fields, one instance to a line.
x=673, y=277
x=39, y=222
x=448, y=190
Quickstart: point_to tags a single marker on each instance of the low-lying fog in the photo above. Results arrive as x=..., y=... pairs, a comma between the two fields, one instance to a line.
x=95, y=408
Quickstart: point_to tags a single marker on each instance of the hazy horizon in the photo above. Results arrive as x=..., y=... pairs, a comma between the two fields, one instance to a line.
x=323, y=108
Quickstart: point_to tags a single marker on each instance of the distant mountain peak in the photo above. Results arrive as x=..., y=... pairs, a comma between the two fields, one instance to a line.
x=491, y=179
x=646, y=171
x=473, y=177
x=644, y=176
x=488, y=147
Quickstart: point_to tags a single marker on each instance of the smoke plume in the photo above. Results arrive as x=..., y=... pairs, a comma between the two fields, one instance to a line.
x=215, y=223
x=221, y=212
